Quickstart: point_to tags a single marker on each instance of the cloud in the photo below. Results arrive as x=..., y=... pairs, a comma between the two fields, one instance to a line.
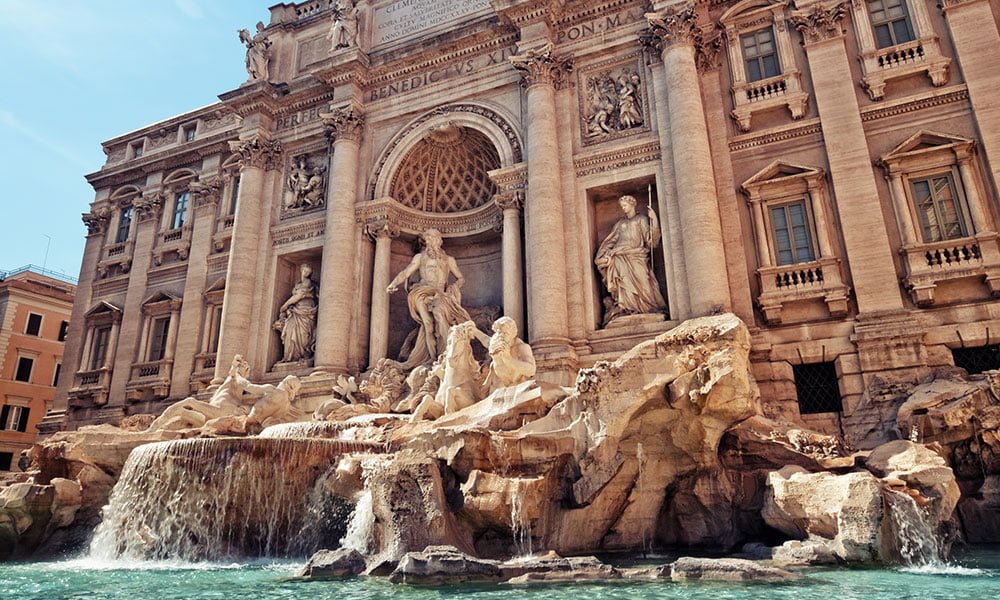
x=10, y=121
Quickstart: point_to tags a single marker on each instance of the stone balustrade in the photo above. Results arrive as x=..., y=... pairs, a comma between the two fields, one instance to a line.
x=819, y=279
x=149, y=378
x=173, y=240
x=90, y=387
x=928, y=265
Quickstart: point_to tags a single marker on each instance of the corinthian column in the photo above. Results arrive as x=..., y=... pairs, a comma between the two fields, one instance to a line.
x=382, y=232
x=701, y=230
x=548, y=323
x=337, y=292
x=257, y=155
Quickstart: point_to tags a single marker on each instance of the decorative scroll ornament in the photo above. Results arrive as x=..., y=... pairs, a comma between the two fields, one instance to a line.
x=538, y=66
x=708, y=49
x=344, y=123
x=258, y=152
x=820, y=23
x=674, y=25
x=381, y=227
x=96, y=220
x=206, y=192
x=148, y=206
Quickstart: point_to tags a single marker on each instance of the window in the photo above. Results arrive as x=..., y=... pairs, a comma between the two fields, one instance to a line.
x=189, y=133
x=817, y=388
x=180, y=210
x=124, y=224
x=6, y=460
x=55, y=376
x=136, y=149
x=978, y=359
x=760, y=54
x=99, y=352
x=34, y=326
x=158, y=339
x=63, y=329
x=890, y=22
x=789, y=225
x=213, y=341
x=234, y=195
x=938, y=208
x=24, y=366
x=14, y=418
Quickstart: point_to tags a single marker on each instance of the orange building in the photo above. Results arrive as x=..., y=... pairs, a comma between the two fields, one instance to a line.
x=35, y=306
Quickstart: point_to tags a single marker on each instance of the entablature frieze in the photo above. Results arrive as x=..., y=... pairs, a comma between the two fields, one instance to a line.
x=296, y=232
x=616, y=158
x=113, y=176
x=389, y=212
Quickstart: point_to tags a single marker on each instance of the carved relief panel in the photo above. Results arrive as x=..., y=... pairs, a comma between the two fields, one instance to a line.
x=613, y=100
x=305, y=184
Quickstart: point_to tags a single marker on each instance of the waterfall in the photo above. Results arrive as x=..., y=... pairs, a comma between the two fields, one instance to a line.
x=519, y=520
x=218, y=499
x=360, y=534
x=913, y=534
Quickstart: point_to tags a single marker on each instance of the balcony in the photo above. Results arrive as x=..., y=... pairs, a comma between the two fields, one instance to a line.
x=149, y=380
x=115, y=259
x=176, y=240
x=90, y=388
x=928, y=265
x=816, y=280
x=903, y=60
x=765, y=94
x=204, y=370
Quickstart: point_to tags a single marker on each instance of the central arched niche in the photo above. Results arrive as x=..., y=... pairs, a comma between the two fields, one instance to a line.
x=447, y=171
x=445, y=176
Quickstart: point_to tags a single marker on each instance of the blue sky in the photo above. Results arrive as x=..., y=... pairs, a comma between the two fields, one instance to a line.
x=78, y=72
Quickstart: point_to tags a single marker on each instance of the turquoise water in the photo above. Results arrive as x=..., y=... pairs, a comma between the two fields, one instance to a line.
x=975, y=575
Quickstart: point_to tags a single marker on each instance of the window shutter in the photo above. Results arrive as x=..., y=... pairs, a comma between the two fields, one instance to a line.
x=4, y=414
x=23, y=423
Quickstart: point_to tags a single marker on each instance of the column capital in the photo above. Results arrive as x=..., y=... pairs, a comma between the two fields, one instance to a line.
x=258, y=152
x=537, y=66
x=381, y=227
x=147, y=207
x=207, y=192
x=97, y=220
x=673, y=25
x=509, y=200
x=708, y=49
x=820, y=22
x=344, y=122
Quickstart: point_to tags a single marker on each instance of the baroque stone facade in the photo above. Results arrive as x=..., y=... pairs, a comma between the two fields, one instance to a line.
x=830, y=180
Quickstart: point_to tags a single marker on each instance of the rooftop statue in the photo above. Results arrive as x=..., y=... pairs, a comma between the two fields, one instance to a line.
x=258, y=52
x=434, y=304
x=624, y=263
x=344, y=30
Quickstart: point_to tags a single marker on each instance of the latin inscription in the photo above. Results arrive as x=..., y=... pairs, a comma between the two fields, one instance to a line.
x=300, y=118
x=405, y=18
x=598, y=26
x=451, y=71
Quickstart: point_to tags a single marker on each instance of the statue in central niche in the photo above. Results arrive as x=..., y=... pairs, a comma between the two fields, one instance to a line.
x=434, y=303
x=297, y=319
x=623, y=260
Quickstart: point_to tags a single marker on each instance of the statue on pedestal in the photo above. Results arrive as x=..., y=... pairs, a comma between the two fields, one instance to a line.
x=258, y=52
x=434, y=304
x=297, y=319
x=623, y=260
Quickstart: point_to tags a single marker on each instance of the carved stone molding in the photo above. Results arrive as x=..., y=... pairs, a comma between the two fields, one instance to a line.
x=537, y=66
x=674, y=25
x=509, y=200
x=415, y=222
x=381, y=227
x=96, y=220
x=258, y=152
x=822, y=22
x=521, y=13
x=147, y=207
x=949, y=4
x=207, y=192
x=511, y=183
x=344, y=123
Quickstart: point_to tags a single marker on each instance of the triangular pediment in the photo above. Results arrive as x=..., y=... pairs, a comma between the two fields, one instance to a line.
x=779, y=171
x=160, y=296
x=749, y=6
x=926, y=140
x=218, y=286
x=101, y=308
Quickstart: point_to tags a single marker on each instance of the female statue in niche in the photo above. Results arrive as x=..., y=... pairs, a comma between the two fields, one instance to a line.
x=297, y=319
x=623, y=260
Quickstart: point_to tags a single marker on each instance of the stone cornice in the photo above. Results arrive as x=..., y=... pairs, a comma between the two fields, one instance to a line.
x=521, y=13
x=258, y=152
x=511, y=183
x=947, y=5
x=538, y=66
x=883, y=110
x=781, y=134
x=582, y=10
x=617, y=158
x=820, y=22
x=409, y=220
x=129, y=171
x=299, y=231
x=259, y=96
x=344, y=122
